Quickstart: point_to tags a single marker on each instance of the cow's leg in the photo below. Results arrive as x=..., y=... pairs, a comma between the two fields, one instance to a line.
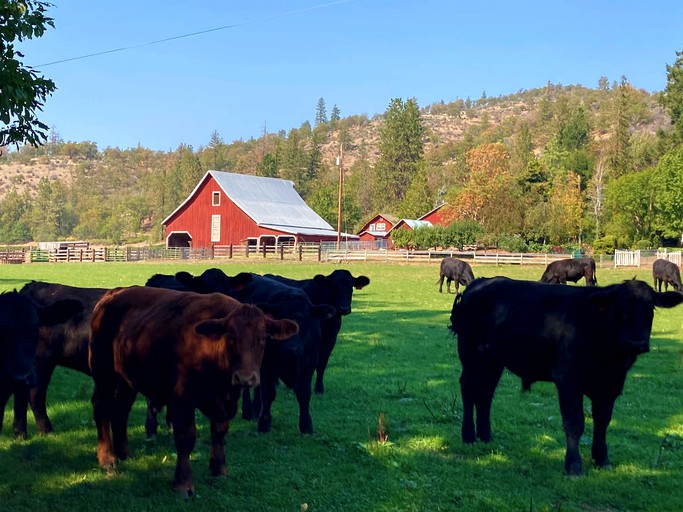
x=302, y=389
x=487, y=381
x=248, y=412
x=21, y=392
x=152, y=419
x=467, y=392
x=5, y=393
x=448, y=284
x=602, y=415
x=267, y=391
x=184, y=436
x=441, y=283
x=329, y=331
x=219, y=430
x=125, y=396
x=571, y=409
x=38, y=397
x=103, y=408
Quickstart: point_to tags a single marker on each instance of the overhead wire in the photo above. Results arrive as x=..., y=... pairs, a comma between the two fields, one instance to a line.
x=192, y=34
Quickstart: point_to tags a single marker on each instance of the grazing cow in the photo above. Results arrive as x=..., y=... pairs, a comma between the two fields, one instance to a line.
x=335, y=289
x=667, y=272
x=64, y=344
x=583, y=339
x=454, y=270
x=293, y=361
x=570, y=269
x=181, y=349
x=20, y=321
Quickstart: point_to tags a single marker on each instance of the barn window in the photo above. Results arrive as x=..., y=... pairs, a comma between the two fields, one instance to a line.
x=372, y=227
x=380, y=226
x=215, y=228
x=216, y=199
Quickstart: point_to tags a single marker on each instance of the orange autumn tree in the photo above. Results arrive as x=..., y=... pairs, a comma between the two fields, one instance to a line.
x=491, y=195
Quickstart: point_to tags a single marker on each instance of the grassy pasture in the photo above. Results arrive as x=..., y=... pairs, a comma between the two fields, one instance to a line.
x=395, y=360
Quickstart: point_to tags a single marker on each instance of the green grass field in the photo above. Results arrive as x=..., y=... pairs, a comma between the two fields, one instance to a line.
x=394, y=360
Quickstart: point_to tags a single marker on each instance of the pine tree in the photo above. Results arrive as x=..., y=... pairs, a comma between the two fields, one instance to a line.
x=320, y=113
x=401, y=148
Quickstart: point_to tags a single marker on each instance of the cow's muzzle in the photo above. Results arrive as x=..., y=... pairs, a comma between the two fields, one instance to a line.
x=250, y=379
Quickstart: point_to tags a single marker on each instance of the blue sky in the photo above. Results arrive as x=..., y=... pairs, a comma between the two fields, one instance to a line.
x=277, y=58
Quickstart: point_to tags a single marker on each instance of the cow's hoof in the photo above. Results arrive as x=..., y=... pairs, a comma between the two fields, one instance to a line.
x=218, y=468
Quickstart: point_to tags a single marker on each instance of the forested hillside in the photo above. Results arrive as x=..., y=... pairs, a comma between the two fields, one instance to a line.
x=558, y=165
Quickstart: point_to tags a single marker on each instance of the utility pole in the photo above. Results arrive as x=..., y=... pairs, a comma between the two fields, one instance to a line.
x=340, y=163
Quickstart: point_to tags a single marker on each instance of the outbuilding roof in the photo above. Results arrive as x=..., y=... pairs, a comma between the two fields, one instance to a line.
x=271, y=202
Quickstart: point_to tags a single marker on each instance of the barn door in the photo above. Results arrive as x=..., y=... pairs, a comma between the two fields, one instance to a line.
x=215, y=228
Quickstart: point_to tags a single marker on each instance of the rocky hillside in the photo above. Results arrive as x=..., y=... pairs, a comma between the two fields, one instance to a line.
x=441, y=128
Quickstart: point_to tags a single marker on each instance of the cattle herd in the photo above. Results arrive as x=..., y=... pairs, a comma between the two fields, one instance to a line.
x=205, y=342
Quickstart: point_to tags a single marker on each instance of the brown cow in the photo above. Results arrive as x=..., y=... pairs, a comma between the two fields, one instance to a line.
x=181, y=349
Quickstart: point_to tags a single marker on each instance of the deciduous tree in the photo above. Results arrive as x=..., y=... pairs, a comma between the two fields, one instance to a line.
x=23, y=90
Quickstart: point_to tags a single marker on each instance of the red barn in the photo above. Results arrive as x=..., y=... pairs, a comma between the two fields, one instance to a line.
x=228, y=208
x=377, y=229
x=439, y=216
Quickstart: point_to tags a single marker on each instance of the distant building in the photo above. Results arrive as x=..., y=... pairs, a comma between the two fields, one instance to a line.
x=228, y=208
x=439, y=216
x=377, y=230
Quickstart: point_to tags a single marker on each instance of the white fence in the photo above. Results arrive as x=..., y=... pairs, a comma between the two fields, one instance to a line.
x=644, y=258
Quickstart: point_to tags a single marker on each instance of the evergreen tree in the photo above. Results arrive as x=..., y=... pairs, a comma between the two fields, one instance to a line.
x=320, y=113
x=401, y=148
x=335, y=115
x=672, y=97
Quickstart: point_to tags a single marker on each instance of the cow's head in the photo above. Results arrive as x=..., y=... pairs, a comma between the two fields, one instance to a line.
x=628, y=309
x=338, y=288
x=245, y=330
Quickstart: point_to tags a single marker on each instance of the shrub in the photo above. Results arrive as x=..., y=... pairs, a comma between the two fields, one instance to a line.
x=604, y=245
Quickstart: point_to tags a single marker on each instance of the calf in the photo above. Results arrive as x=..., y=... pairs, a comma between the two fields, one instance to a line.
x=294, y=361
x=63, y=344
x=181, y=349
x=335, y=289
x=20, y=321
x=454, y=270
x=571, y=269
x=583, y=339
x=667, y=272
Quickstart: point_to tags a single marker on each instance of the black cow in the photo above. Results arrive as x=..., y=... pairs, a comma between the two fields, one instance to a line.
x=335, y=289
x=292, y=361
x=63, y=344
x=457, y=271
x=667, y=272
x=583, y=339
x=570, y=269
x=20, y=321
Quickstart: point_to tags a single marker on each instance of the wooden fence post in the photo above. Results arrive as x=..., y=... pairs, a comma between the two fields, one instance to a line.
x=282, y=252
x=301, y=250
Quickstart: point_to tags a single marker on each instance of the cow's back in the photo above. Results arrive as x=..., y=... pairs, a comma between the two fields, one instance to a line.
x=65, y=344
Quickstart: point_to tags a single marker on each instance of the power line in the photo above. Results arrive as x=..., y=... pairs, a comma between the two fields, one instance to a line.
x=192, y=34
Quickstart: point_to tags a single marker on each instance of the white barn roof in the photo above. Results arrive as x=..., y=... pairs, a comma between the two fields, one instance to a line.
x=271, y=202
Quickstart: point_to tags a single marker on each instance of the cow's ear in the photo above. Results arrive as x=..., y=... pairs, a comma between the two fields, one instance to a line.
x=603, y=300
x=184, y=278
x=59, y=312
x=319, y=279
x=668, y=299
x=360, y=282
x=212, y=329
x=281, y=329
x=323, y=311
x=241, y=280
x=267, y=309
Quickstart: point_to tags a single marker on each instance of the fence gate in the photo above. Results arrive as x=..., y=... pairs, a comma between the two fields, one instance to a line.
x=626, y=258
x=674, y=256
